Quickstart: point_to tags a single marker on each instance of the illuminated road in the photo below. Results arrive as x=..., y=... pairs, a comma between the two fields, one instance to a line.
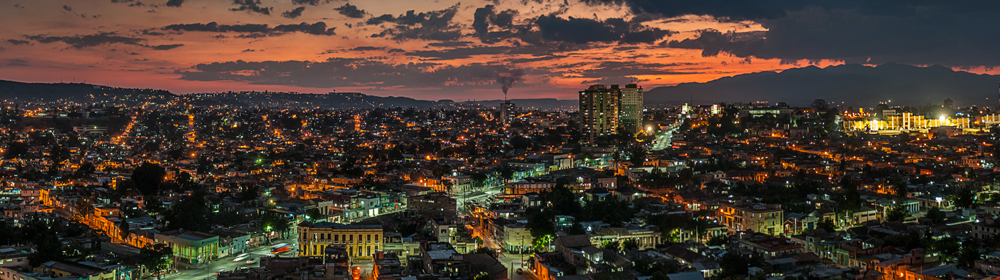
x=663, y=139
x=228, y=263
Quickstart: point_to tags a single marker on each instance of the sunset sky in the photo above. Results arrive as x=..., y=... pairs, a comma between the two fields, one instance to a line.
x=442, y=49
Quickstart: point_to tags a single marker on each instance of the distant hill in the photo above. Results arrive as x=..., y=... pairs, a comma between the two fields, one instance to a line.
x=78, y=92
x=83, y=93
x=856, y=85
x=339, y=100
x=540, y=103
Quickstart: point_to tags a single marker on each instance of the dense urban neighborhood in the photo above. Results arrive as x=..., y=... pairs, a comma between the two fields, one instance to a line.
x=143, y=184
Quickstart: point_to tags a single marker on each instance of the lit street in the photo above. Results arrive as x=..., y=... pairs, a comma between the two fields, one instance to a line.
x=229, y=263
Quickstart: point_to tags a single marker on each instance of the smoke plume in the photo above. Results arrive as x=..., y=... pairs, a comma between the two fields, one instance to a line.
x=507, y=79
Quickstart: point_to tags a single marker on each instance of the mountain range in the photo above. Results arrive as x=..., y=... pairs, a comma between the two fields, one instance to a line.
x=853, y=84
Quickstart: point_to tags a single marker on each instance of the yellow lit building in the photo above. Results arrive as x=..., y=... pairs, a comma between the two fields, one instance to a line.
x=904, y=122
x=360, y=241
x=766, y=219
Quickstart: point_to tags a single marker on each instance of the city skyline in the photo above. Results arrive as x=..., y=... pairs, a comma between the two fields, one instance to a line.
x=451, y=50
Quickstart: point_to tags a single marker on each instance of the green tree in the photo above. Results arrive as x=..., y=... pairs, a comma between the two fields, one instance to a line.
x=506, y=171
x=16, y=149
x=539, y=224
x=969, y=254
x=273, y=221
x=948, y=246
x=611, y=245
x=733, y=265
x=820, y=105
x=153, y=205
x=637, y=155
x=46, y=242
x=964, y=198
x=482, y=275
x=630, y=245
x=827, y=225
x=155, y=257
x=124, y=228
x=896, y=212
x=184, y=180
x=190, y=213
x=84, y=170
x=718, y=240
x=249, y=193
x=935, y=215
x=900, y=189
x=314, y=214
x=148, y=177
x=479, y=180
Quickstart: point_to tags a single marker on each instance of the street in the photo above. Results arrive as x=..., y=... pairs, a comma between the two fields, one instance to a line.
x=663, y=139
x=228, y=264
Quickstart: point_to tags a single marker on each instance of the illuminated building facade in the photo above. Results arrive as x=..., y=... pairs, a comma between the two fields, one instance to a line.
x=599, y=111
x=605, y=109
x=905, y=122
x=766, y=219
x=631, y=108
x=507, y=112
x=360, y=241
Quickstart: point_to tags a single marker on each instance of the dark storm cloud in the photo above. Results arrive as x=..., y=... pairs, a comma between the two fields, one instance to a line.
x=954, y=33
x=350, y=11
x=735, y=9
x=252, y=36
x=345, y=72
x=67, y=8
x=433, y=18
x=294, y=13
x=310, y=2
x=380, y=19
x=487, y=15
x=481, y=19
x=251, y=6
x=104, y=38
x=174, y=3
x=433, y=25
x=153, y=32
x=449, y=44
x=166, y=47
x=581, y=30
x=318, y=28
x=931, y=36
x=214, y=27
x=773, y=9
x=83, y=41
x=536, y=59
x=17, y=42
x=368, y=48
x=17, y=62
x=492, y=26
